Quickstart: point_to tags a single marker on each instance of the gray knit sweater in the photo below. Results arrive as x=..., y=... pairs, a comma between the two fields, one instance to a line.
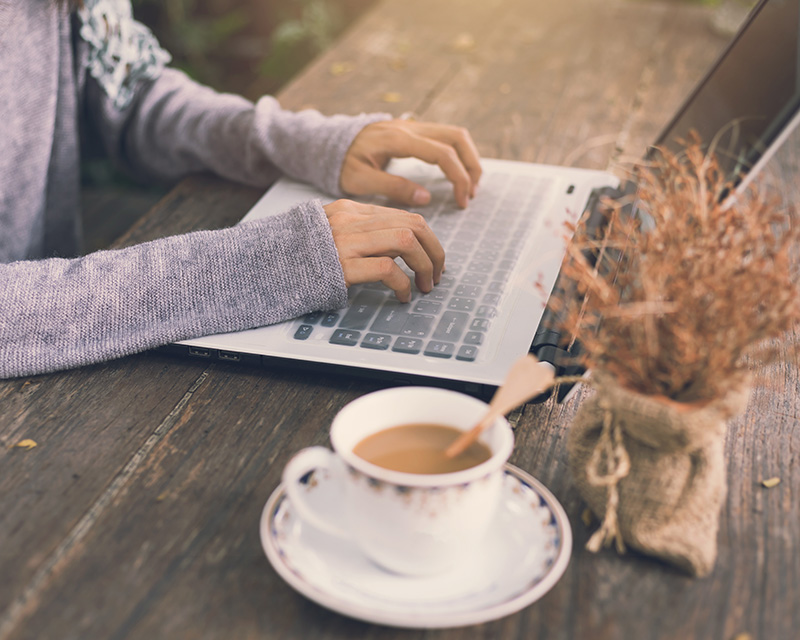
x=58, y=310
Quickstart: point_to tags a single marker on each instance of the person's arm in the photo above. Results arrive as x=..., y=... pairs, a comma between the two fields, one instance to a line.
x=160, y=123
x=174, y=126
x=59, y=313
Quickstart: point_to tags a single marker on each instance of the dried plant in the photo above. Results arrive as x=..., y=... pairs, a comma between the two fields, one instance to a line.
x=675, y=301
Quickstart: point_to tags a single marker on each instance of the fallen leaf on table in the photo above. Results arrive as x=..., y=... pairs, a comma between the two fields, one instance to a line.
x=26, y=444
x=771, y=482
x=587, y=517
x=341, y=68
x=463, y=43
x=391, y=96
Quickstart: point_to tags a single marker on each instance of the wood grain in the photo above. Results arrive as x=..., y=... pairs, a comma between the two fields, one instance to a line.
x=137, y=515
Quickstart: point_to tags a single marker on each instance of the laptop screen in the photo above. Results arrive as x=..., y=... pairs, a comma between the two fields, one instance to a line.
x=750, y=94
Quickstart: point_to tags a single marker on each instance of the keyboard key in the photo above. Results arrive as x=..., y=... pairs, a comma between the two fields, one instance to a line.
x=480, y=266
x=506, y=265
x=345, y=337
x=479, y=324
x=391, y=318
x=474, y=278
x=376, y=341
x=496, y=287
x=407, y=345
x=486, y=311
x=440, y=349
x=313, y=317
x=491, y=298
x=461, y=247
x=417, y=326
x=468, y=291
x=427, y=306
x=461, y=304
x=451, y=326
x=456, y=258
x=466, y=235
x=446, y=281
x=506, y=218
x=330, y=319
x=303, y=331
x=501, y=276
x=485, y=255
x=473, y=338
x=440, y=295
x=467, y=353
x=443, y=224
x=362, y=309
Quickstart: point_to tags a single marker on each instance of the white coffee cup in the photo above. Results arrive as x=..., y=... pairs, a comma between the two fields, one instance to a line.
x=414, y=524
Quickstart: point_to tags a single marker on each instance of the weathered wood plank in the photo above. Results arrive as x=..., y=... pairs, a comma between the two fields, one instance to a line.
x=677, y=62
x=197, y=202
x=551, y=86
x=180, y=545
x=174, y=550
x=406, y=49
x=90, y=423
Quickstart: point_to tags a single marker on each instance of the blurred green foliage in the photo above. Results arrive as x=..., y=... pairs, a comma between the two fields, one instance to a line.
x=298, y=38
x=249, y=47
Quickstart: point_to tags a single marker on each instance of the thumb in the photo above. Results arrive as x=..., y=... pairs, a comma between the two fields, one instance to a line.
x=394, y=187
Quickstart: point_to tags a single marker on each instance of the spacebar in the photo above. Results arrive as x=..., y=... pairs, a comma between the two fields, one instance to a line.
x=364, y=306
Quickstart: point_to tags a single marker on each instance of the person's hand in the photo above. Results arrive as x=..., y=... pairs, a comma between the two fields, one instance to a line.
x=369, y=237
x=449, y=147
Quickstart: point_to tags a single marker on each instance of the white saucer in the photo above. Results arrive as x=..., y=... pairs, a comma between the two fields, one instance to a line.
x=523, y=556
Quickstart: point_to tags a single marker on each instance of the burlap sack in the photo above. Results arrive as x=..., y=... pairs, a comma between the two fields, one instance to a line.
x=653, y=471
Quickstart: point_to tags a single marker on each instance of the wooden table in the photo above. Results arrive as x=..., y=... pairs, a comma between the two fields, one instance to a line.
x=137, y=514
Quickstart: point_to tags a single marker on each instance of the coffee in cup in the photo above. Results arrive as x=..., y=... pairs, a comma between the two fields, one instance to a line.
x=407, y=521
x=419, y=448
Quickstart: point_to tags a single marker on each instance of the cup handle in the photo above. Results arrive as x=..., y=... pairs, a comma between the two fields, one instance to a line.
x=303, y=462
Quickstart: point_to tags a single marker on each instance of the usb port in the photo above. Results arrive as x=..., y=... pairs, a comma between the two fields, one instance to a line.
x=227, y=355
x=199, y=353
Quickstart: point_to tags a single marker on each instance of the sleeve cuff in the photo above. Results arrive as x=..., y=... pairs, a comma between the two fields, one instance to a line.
x=307, y=145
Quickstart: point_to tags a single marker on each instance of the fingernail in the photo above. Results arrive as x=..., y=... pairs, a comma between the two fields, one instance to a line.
x=420, y=197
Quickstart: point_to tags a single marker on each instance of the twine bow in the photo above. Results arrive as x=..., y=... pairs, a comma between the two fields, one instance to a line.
x=609, y=453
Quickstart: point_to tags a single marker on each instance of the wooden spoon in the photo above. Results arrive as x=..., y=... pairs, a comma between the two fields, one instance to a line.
x=526, y=379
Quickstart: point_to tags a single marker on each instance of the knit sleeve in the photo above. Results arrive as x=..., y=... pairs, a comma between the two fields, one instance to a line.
x=175, y=126
x=60, y=313
x=159, y=124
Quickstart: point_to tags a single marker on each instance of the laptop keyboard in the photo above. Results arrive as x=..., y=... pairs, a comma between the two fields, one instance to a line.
x=482, y=244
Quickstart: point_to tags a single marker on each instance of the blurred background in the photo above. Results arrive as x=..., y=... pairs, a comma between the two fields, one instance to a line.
x=252, y=48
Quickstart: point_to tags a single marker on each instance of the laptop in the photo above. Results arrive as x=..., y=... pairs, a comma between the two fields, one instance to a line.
x=504, y=252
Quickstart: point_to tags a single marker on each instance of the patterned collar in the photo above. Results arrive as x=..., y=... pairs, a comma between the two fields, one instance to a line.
x=122, y=52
